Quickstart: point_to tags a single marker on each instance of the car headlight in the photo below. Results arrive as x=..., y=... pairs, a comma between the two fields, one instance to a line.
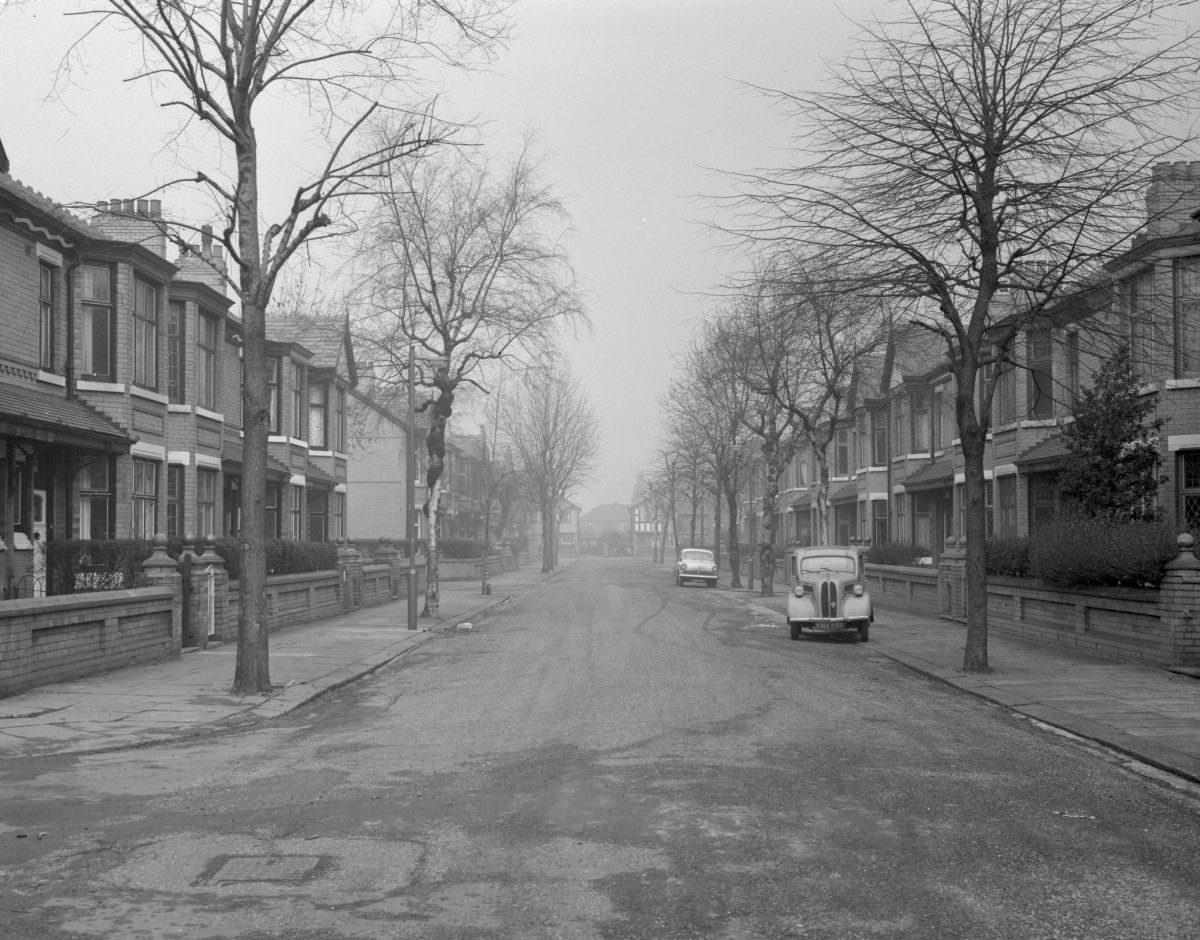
x=798, y=590
x=858, y=590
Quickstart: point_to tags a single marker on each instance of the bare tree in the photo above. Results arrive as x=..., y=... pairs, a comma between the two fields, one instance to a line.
x=470, y=266
x=760, y=344
x=345, y=62
x=555, y=438
x=975, y=147
x=708, y=405
x=829, y=324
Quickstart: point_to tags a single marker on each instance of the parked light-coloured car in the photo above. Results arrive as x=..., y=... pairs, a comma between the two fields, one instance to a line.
x=827, y=591
x=696, y=564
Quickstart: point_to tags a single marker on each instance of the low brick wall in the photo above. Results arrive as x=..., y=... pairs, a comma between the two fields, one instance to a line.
x=299, y=598
x=53, y=639
x=1125, y=624
x=912, y=589
x=454, y=569
x=1122, y=624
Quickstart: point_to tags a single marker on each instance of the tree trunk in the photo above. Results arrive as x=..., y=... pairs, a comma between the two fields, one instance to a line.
x=975, y=655
x=766, y=550
x=433, y=595
x=547, y=542
x=735, y=554
x=717, y=525
x=822, y=500
x=252, y=670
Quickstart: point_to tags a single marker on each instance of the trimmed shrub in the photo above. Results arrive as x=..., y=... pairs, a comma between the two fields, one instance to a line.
x=460, y=549
x=286, y=557
x=895, y=553
x=95, y=565
x=1077, y=550
x=1008, y=556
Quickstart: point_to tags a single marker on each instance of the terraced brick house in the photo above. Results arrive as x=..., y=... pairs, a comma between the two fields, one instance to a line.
x=897, y=468
x=120, y=390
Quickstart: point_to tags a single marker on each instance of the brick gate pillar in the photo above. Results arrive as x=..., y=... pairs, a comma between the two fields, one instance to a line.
x=1179, y=603
x=161, y=570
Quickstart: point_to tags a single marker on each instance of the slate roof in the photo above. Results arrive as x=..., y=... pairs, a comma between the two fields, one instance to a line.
x=52, y=221
x=45, y=416
x=847, y=492
x=327, y=338
x=1050, y=452
x=931, y=477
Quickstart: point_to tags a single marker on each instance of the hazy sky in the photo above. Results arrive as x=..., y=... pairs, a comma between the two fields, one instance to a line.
x=633, y=100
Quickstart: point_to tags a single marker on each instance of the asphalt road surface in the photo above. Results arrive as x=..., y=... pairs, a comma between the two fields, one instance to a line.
x=612, y=757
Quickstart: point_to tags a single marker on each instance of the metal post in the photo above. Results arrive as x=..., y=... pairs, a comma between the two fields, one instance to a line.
x=410, y=508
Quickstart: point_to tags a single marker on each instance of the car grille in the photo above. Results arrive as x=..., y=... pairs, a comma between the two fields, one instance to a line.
x=827, y=600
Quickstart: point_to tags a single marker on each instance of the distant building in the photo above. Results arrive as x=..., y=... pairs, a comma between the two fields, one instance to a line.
x=606, y=529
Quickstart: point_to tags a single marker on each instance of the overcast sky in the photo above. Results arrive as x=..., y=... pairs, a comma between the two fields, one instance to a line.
x=633, y=101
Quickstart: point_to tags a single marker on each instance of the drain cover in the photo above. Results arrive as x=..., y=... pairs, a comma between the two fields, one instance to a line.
x=277, y=869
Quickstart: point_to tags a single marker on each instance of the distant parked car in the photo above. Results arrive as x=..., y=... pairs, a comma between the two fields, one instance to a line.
x=828, y=591
x=696, y=564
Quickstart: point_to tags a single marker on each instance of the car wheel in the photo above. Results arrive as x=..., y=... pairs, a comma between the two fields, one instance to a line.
x=678, y=581
x=795, y=629
x=864, y=631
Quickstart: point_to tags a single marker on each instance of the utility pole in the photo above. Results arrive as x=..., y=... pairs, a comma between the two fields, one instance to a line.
x=410, y=496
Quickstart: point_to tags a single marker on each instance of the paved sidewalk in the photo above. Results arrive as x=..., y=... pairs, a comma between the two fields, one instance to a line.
x=1151, y=714
x=190, y=696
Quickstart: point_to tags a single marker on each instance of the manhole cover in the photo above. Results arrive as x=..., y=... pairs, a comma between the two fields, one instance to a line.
x=277, y=869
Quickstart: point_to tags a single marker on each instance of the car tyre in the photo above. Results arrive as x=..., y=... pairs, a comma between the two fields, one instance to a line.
x=864, y=631
x=795, y=629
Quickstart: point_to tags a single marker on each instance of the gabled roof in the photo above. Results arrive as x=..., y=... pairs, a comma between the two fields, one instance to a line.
x=328, y=339
x=609, y=512
x=44, y=416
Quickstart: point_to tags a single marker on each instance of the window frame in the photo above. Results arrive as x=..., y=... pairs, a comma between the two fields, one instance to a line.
x=318, y=428
x=1039, y=374
x=144, y=498
x=89, y=496
x=176, y=352
x=47, y=304
x=207, y=487
x=94, y=310
x=208, y=328
x=175, y=501
x=145, y=332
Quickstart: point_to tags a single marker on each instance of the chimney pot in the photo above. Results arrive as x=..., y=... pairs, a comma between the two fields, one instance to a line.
x=156, y=208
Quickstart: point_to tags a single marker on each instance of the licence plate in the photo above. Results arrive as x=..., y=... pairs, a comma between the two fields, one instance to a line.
x=828, y=625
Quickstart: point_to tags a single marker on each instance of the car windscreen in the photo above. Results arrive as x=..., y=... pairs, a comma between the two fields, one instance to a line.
x=837, y=564
x=697, y=556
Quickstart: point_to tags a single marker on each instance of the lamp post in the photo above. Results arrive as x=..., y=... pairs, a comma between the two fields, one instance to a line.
x=410, y=496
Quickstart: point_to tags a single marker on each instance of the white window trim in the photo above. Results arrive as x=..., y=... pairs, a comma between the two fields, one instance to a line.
x=48, y=254
x=52, y=378
x=208, y=461
x=148, y=451
x=180, y=458
x=85, y=385
x=139, y=392
x=1176, y=442
x=297, y=479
